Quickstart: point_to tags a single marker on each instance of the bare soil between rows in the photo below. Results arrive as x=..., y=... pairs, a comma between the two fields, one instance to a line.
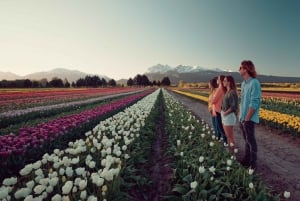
x=278, y=159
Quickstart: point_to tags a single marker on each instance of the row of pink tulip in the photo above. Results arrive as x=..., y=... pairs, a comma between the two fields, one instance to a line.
x=16, y=145
x=22, y=99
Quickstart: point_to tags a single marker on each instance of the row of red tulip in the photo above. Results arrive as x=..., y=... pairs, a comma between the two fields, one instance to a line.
x=10, y=100
x=16, y=145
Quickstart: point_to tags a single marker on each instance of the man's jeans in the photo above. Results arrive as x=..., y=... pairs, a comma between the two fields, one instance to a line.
x=248, y=130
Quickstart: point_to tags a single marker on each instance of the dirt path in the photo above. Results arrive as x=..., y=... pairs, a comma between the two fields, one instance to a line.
x=161, y=172
x=158, y=167
x=278, y=163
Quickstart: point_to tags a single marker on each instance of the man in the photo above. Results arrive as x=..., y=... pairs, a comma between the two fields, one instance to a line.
x=249, y=111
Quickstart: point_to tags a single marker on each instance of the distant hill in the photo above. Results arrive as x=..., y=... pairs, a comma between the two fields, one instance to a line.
x=9, y=76
x=156, y=72
x=70, y=75
x=201, y=74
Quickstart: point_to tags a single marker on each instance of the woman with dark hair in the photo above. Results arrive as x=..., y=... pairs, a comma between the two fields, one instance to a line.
x=213, y=85
x=229, y=109
x=217, y=101
x=249, y=110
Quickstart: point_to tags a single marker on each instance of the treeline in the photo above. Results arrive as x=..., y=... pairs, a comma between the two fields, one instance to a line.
x=142, y=80
x=88, y=81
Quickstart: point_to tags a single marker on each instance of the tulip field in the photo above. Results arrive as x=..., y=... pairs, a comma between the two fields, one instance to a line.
x=102, y=151
x=278, y=110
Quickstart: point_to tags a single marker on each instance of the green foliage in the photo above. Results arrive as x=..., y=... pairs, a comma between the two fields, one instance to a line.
x=223, y=178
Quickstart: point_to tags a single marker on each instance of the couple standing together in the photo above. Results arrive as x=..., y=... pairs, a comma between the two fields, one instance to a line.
x=225, y=109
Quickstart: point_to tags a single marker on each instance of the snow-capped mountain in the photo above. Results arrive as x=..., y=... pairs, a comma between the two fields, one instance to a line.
x=159, y=68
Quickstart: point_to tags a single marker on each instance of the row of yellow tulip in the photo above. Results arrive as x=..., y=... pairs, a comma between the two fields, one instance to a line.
x=274, y=119
x=282, y=121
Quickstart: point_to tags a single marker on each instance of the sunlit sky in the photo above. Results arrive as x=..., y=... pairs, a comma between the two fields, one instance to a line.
x=121, y=38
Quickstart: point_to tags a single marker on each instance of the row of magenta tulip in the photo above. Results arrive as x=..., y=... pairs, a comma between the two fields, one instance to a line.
x=30, y=143
x=86, y=169
x=7, y=119
x=11, y=100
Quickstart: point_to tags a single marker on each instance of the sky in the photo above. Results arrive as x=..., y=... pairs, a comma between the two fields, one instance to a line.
x=123, y=38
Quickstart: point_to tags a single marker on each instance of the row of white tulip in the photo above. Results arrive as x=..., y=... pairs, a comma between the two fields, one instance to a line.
x=205, y=168
x=86, y=169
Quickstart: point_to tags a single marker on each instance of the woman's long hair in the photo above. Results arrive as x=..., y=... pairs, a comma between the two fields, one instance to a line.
x=231, y=81
x=249, y=67
x=222, y=79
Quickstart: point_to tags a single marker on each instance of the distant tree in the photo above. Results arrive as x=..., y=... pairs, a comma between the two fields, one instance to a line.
x=44, y=82
x=88, y=81
x=166, y=81
x=4, y=83
x=67, y=84
x=36, y=84
x=112, y=83
x=145, y=81
x=56, y=82
x=154, y=82
x=158, y=83
x=137, y=80
x=130, y=82
x=80, y=82
x=27, y=83
x=104, y=82
x=17, y=83
x=96, y=81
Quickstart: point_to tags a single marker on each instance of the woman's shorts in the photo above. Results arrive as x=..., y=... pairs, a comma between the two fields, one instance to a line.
x=228, y=120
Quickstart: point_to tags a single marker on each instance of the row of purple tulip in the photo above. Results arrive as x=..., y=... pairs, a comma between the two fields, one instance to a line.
x=18, y=146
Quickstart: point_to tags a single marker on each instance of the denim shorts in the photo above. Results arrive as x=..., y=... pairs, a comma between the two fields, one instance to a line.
x=228, y=120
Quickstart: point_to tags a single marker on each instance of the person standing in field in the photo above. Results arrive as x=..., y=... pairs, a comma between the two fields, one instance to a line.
x=229, y=110
x=249, y=111
x=217, y=102
x=213, y=85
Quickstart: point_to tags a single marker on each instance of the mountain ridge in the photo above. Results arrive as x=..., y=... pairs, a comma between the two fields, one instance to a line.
x=191, y=74
x=157, y=72
x=62, y=73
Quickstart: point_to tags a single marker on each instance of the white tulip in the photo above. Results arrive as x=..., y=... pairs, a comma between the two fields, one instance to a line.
x=201, y=159
x=193, y=184
x=56, y=197
x=69, y=171
x=229, y=162
x=39, y=189
x=37, y=165
x=67, y=187
x=82, y=184
x=201, y=169
x=10, y=181
x=53, y=181
x=83, y=195
x=3, y=192
x=22, y=193
x=212, y=169
x=26, y=170
x=287, y=194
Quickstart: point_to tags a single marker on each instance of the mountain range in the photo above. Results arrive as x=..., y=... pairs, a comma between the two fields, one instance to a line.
x=188, y=74
x=62, y=73
x=192, y=74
